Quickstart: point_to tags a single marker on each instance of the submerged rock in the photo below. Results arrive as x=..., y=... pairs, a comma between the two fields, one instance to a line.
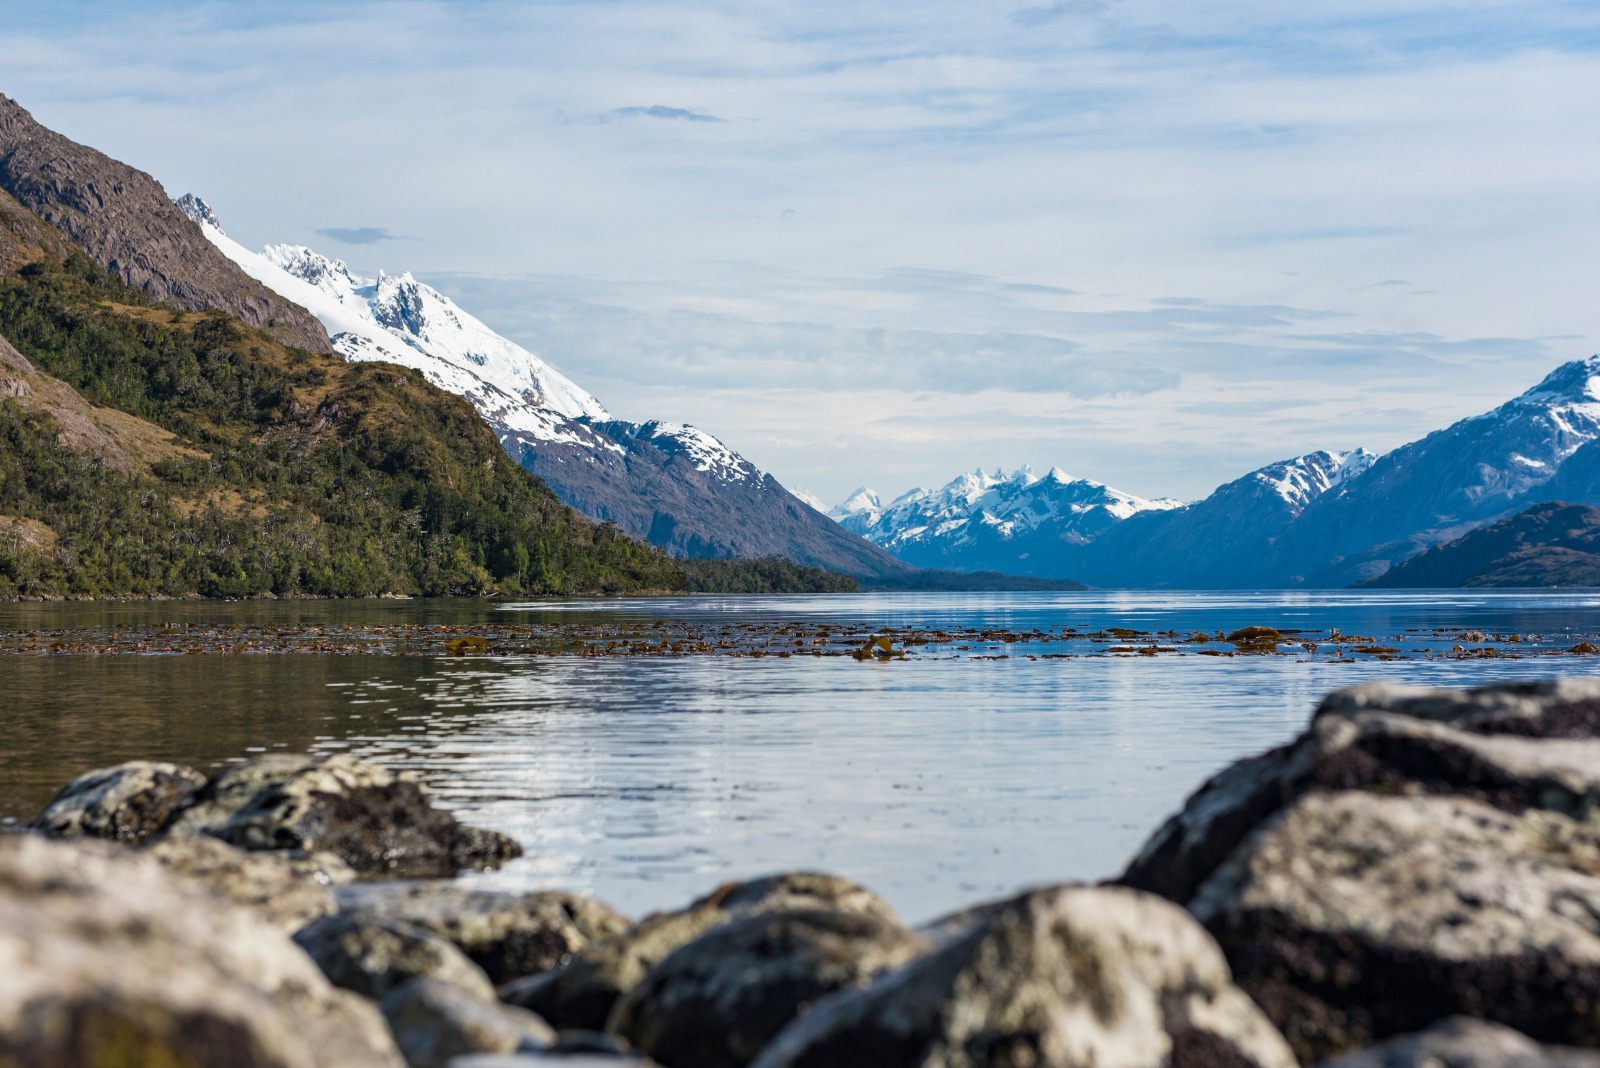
x=435, y=1021
x=291, y=890
x=715, y=1002
x=1460, y=1042
x=507, y=935
x=127, y=803
x=1065, y=976
x=582, y=993
x=107, y=957
x=372, y=955
x=1415, y=854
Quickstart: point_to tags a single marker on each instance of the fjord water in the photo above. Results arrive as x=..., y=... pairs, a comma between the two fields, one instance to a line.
x=644, y=781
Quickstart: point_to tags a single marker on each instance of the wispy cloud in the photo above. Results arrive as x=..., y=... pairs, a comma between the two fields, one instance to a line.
x=658, y=111
x=1038, y=16
x=364, y=235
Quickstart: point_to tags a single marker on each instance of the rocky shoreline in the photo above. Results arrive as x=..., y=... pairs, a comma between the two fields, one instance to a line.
x=1413, y=881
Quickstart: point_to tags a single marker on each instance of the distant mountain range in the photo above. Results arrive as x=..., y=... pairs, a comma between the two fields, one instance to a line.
x=672, y=483
x=1319, y=520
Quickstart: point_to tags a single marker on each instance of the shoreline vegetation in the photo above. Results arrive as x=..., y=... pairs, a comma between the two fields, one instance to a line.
x=1411, y=881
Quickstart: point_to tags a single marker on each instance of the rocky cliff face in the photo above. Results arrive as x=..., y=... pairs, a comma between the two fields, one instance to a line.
x=124, y=220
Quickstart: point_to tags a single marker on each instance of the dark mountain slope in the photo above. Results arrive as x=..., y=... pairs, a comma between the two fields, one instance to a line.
x=1550, y=544
x=1450, y=482
x=126, y=223
x=650, y=484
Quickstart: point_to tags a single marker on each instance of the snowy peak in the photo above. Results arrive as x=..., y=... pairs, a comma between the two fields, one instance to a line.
x=198, y=211
x=1305, y=478
x=992, y=505
x=1577, y=382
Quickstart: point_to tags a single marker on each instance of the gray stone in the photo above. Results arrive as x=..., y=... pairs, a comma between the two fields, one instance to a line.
x=1067, y=976
x=507, y=935
x=552, y=1059
x=715, y=1002
x=1513, y=746
x=107, y=957
x=582, y=993
x=377, y=821
x=1354, y=916
x=434, y=1021
x=291, y=890
x=372, y=955
x=127, y=803
x=1460, y=1042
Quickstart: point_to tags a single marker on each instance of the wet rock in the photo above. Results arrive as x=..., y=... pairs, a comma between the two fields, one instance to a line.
x=434, y=1021
x=127, y=803
x=717, y=1001
x=377, y=821
x=1399, y=740
x=582, y=993
x=507, y=935
x=1460, y=1042
x=1064, y=976
x=107, y=957
x=290, y=890
x=372, y=955
x=1353, y=916
x=1256, y=638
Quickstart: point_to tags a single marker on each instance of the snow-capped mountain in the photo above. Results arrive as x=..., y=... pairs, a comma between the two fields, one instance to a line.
x=670, y=482
x=1454, y=480
x=992, y=521
x=1323, y=519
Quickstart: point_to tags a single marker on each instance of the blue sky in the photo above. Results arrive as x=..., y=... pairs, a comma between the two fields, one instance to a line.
x=1153, y=243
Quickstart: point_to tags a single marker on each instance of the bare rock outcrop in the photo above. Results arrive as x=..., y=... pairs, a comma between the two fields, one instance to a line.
x=717, y=1001
x=582, y=993
x=124, y=221
x=508, y=935
x=1065, y=976
x=127, y=803
x=1415, y=855
x=107, y=957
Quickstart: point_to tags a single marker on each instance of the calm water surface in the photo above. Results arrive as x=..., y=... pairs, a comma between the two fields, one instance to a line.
x=937, y=782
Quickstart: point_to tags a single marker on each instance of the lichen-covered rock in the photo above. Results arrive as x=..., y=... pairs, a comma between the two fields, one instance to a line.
x=434, y=1021
x=582, y=993
x=1460, y=1042
x=126, y=803
x=717, y=1001
x=107, y=957
x=291, y=890
x=507, y=935
x=553, y=1059
x=375, y=820
x=1514, y=746
x=373, y=955
x=1414, y=854
x=1067, y=976
x=1353, y=916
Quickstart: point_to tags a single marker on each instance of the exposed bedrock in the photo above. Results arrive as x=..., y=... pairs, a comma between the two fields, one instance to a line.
x=1068, y=975
x=376, y=821
x=508, y=935
x=1414, y=855
x=583, y=992
x=107, y=957
x=715, y=1002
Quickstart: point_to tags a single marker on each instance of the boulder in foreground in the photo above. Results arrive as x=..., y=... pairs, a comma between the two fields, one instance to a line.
x=435, y=1021
x=1064, y=976
x=1415, y=855
x=1461, y=1042
x=108, y=958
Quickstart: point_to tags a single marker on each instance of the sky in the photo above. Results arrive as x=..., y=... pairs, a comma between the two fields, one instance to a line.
x=1156, y=244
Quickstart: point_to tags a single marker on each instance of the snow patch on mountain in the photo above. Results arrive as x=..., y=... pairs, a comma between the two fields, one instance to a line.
x=397, y=319
x=1305, y=478
x=1007, y=506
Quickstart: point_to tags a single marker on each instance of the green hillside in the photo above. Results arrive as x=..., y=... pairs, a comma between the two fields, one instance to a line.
x=291, y=472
